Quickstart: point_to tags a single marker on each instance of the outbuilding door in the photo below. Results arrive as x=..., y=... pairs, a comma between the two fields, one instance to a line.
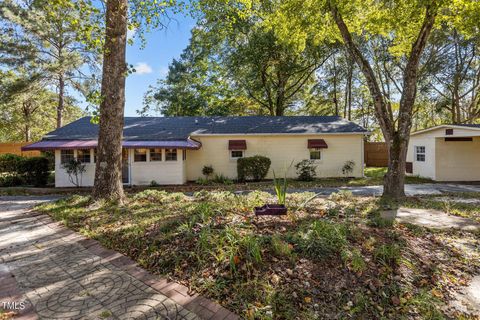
x=458, y=159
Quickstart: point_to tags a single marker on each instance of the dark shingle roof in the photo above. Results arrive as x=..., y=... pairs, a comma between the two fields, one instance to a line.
x=467, y=125
x=174, y=128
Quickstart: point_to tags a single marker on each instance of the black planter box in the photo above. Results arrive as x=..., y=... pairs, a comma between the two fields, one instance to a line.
x=271, y=210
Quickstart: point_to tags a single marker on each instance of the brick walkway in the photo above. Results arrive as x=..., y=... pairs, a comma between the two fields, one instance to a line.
x=58, y=274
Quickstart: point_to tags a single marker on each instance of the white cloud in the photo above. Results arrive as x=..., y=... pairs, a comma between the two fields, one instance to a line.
x=142, y=68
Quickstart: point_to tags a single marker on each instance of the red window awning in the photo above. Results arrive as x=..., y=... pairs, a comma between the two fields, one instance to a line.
x=317, y=144
x=237, y=145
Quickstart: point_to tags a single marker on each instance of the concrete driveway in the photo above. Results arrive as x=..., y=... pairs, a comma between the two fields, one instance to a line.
x=410, y=189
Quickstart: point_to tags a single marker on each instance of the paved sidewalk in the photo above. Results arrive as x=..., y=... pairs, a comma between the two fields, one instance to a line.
x=430, y=218
x=59, y=274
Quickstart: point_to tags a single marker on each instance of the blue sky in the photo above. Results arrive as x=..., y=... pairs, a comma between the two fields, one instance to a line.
x=152, y=62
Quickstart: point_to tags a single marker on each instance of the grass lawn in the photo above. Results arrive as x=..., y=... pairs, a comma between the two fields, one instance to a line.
x=333, y=258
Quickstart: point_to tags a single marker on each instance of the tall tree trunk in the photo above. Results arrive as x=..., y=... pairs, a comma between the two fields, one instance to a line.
x=348, y=92
x=27, y=115
x=61, y=97
x=108, y=171
x=280, y=99
x=27, y=132
x=395, y=177
x=335, y=100
x=396, y=133
x=454, y=110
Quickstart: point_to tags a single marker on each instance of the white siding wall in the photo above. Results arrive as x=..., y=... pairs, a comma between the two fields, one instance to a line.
x=442, y=159
x=61, y=177
x=427, y=168
x=141, y=173
x=162, y=172
x=281, y=149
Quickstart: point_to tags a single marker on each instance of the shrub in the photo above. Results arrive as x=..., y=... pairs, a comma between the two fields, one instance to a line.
x=11, y=181
x=207, y=171
x=322, y=239
x=306, y=170
x=220, y=178
x=10, y=163
x=202, y=181
x=35, y=170
x=254, y=168
x=347, y=168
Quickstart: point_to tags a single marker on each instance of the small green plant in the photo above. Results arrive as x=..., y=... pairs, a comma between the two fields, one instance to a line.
x=388, y=254
x=203, y=181
x=207, y=171
x=322, y=239
x=281, y=248
x=75, y=170
x=220, y=178
x=154, y=183
x=354, y=259
x=105, y=314
x=306, y=170
x=342, y=195
x=347, y=168
x=428, y=306
x=280, y=186
x=252, y=246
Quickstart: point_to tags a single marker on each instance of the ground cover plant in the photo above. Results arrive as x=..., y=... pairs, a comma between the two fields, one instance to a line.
x=330, y=258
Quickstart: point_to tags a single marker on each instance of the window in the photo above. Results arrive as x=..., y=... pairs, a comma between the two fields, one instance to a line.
x=140, y=155
x=235, y=154
x=83, y=155
x=155, y=154
x=420, y=153
x=315, y=154
x=66, y=156
x=184, y=155
x=170, y=154
x=95, y=155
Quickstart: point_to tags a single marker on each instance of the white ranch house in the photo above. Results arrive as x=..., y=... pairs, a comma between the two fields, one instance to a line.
x=173, y=150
